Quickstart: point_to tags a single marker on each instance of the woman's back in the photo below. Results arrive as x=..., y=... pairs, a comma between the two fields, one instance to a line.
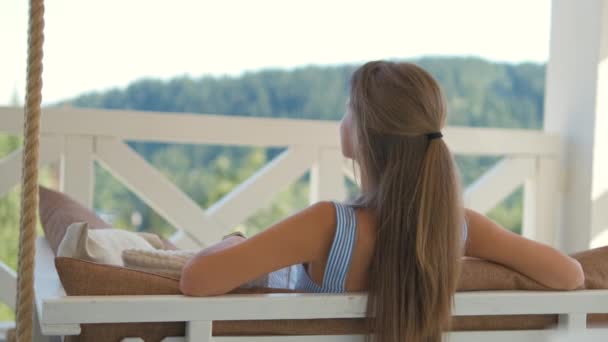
x=345, y=266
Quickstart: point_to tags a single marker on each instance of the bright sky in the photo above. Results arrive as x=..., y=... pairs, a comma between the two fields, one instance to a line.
x=99, y=44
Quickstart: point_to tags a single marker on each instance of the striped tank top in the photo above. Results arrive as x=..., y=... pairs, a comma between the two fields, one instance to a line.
x=340, y=254
x=339, y=259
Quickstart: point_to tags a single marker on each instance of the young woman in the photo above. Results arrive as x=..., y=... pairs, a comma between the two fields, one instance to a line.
x=403, y=238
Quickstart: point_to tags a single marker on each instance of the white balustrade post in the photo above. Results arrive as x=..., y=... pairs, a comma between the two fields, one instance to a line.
x=575, y=108
x=542, y=201
x=77, y=179
x=199, y=331
x=327, y=176
x=528, y=225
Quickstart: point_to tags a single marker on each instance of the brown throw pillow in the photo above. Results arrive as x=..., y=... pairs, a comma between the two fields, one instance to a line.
x=58, y=211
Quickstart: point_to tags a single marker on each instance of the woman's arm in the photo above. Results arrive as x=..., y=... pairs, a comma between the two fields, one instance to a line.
x=303, y=237
x=488, y=240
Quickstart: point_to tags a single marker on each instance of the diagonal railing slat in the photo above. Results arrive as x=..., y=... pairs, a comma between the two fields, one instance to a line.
x=256, y=191
x=8, y=282
x=157, y=191
x=10, y=166
x=497, y=183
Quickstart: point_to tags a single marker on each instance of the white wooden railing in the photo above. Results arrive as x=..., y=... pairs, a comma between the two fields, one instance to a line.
x=77, y=137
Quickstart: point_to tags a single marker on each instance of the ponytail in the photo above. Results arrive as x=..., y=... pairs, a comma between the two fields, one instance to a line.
x=411, y=184
x=438, y=237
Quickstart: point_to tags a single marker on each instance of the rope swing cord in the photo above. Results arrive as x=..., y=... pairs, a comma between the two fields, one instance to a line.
x=29, y=175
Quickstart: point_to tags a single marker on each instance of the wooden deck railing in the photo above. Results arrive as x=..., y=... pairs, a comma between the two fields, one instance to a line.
x=77, y=137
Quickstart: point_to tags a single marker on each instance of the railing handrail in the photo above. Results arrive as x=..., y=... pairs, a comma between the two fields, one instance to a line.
x=257, y=131
x=77, y=135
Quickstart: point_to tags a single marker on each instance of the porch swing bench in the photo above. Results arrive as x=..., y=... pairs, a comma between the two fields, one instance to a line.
x=61, y=315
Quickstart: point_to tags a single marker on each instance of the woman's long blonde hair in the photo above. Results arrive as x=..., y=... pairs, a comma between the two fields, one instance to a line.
x=411, y=184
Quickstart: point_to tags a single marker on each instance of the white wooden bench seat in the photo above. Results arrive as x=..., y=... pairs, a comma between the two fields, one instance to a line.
x=59, y=314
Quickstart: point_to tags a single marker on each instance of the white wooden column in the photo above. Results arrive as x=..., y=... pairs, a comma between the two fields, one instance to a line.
x=599, y=185
x=571, y=109
x=77, y=179
x=327, y=176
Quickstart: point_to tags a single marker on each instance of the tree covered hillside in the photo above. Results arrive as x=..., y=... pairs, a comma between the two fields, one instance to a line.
x=479, y=93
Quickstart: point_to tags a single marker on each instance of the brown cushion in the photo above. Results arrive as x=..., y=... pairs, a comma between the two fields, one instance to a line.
x=80, y=278
x=477, y=274
x=595, y=266
x=85, y=278
x=58, y=211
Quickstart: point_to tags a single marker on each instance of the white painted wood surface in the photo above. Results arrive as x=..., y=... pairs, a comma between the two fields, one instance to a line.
x=157, y=191
x=178, y=127
x=259, y=189
x=10, y=166
x=199, y=228
x=77, y=178
x=247, y=131
x=573, y=322
x=571, y=109
x=599, y=219
x=47, y=285
x=183, y=241
x=198, y=331
x=499, y=182
x=8, y=283
x=175, y=308
x=543, y=192
x=327, y=176
x=599, y=185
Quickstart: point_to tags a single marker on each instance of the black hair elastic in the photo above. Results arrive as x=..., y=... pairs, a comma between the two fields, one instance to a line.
x=434, y=135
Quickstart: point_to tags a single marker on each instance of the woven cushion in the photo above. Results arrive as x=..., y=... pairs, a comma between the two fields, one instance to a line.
x=84, y=278
x=167, y=263
x=170, y=263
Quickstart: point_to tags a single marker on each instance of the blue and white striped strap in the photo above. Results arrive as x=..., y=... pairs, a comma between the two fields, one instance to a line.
x=340, y=254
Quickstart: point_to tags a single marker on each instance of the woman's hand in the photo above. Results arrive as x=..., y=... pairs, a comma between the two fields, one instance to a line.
x=488, y=240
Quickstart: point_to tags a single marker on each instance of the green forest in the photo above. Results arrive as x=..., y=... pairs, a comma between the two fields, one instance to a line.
x=479, y=93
